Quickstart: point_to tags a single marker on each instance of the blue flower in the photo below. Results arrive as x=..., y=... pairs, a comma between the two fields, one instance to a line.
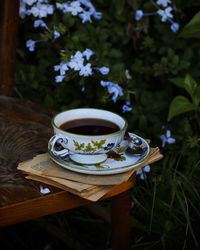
x=22, y=10
x=105, y=84
x=113, y=88
x=164, y=3
x=56, y=34
x=40, y=23
x=142, y=172
x=109, y=146
x=86, y=70
x=116, y=90
x=42, y=10
x=139, y=14
x=62, y=6
x=97, y=15
x=87, y=3
x=85, y=16
x=29, y=2
x=165, y=14
x=59, y=78
x=76, y=61
x=103, y=70
x=75, y=8
x=43, y=1
x=30, y=44
x=174, y=27
x=126, y=107
x=88, y=53
x=63, y=67
x=91, y=9
x=167, y=138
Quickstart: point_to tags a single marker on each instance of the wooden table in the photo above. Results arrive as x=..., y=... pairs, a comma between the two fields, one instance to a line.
x=25, y=129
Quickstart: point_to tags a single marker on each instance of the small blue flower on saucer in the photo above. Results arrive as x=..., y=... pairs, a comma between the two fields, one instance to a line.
x=109, y=146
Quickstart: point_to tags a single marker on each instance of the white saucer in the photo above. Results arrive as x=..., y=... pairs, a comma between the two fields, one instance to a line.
x=118, y=161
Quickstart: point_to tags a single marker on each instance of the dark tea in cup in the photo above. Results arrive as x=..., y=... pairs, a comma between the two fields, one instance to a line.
x=90, y=126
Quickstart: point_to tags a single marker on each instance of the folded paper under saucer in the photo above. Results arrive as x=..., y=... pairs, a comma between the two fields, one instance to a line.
x=92, y=187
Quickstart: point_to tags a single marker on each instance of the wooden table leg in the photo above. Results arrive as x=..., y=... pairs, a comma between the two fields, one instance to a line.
x=120, y=212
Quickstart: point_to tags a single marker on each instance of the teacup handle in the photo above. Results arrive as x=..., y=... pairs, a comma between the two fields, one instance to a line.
x=58, y=139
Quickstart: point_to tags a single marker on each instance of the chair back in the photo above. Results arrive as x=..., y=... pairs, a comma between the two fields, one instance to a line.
x=9, y=19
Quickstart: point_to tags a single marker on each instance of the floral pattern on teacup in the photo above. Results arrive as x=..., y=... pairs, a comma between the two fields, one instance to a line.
x=89, y=147
x=109, y=146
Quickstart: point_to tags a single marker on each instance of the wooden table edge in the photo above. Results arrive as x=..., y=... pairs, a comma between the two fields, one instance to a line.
x=50, y=204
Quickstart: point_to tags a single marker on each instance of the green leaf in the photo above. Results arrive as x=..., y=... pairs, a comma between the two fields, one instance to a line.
x=198, y=95
x=178, y=81
x=192, y=29
x=179, y=105
x=190, y=85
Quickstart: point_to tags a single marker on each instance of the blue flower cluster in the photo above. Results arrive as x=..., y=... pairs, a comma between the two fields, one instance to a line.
x=164, y=10
x=37, y=8
x=41, y=8
x=77, y=63
x=82, y=8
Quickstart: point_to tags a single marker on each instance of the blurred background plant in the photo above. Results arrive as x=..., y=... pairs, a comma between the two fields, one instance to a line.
x=141, y=60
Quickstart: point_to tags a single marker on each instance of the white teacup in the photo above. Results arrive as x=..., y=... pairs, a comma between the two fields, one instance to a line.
x=89, y=148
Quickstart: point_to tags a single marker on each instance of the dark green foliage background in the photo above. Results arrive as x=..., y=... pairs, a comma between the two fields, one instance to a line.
x=167, y=202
